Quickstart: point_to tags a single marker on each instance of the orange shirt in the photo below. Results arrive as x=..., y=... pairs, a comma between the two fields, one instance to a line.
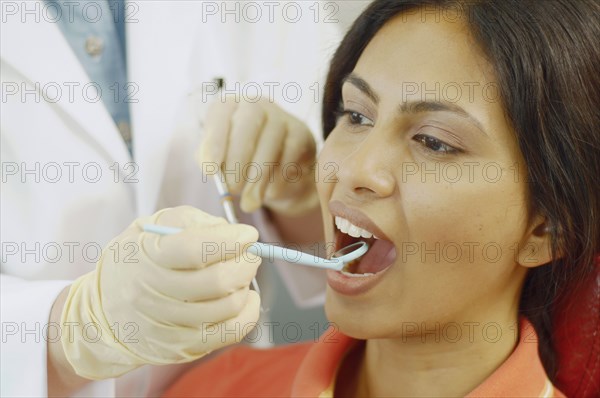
x=309, y=369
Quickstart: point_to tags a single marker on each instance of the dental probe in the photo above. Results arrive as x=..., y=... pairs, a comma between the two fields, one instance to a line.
x=227, y=203
x=226, y=197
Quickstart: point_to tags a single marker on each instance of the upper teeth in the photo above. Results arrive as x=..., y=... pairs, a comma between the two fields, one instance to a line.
x=348, y=228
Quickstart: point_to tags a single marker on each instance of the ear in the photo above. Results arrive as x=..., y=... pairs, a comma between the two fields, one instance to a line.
x=535, y=248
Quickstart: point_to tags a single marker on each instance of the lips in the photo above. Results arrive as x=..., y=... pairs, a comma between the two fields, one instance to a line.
x=352, y=226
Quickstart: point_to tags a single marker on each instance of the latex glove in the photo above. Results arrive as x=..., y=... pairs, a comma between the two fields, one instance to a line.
x=280, y=149
x=175, y=299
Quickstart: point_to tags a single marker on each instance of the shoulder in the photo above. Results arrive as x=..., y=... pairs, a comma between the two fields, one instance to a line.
x=243, y=371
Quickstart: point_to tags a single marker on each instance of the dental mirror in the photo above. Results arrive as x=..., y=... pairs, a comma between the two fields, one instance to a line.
x=351, y=252
x=338, y=259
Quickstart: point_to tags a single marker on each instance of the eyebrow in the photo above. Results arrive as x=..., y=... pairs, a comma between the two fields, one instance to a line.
x=362, y=85
x=414, y=107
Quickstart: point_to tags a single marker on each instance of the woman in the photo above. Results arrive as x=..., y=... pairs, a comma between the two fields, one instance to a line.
x=465, y=139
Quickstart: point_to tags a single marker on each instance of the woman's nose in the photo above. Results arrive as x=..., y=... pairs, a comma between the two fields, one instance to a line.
x=367, y=171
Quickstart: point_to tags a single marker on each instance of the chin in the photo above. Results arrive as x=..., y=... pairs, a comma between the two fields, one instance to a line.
x=353, y=320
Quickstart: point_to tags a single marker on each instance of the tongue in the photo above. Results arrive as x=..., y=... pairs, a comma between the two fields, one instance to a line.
x=380, y=256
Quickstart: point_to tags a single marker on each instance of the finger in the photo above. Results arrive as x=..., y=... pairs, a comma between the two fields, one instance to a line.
x=246, y=126
x=179, y=217
x=186, y=217
x=232, y=330
x=203, y=158
x=298, y=153
x=217, y=128
x=131, y=235
x=201, y=313
x=198, y=246
x=137, y=225
x=209, y=283
x=300, y=145
x=268, y=152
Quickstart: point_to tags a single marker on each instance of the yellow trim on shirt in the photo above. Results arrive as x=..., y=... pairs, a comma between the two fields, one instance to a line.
x=548, y=390
x=328, y=392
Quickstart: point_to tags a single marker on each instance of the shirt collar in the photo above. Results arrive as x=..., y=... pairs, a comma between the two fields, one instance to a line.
x=316, y=374
x=521, y=374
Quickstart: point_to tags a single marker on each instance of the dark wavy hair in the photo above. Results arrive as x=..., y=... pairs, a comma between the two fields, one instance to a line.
x=546, y=56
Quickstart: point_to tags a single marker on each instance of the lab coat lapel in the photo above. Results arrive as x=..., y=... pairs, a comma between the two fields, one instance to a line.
x=159, y=46
x=43, y=56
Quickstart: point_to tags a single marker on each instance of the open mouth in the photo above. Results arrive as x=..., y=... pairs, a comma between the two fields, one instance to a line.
x=380, y=256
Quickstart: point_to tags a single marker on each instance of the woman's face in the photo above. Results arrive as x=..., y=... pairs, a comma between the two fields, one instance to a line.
x=426, y=161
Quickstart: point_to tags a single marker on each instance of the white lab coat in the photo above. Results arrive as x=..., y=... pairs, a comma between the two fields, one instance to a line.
x=52, y=228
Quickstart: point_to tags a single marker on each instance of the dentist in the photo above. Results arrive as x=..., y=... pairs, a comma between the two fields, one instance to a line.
x=104, y=105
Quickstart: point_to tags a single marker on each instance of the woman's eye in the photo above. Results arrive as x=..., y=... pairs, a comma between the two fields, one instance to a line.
x=356, y=118
x=435, y=145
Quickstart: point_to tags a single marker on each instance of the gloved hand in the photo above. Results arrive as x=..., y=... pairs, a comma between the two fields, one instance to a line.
x=280, y=147
x=162, y=299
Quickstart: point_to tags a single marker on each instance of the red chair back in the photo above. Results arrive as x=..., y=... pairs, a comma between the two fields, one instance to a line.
x=577, y=327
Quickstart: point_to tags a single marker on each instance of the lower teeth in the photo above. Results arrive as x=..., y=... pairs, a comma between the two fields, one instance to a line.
x=355, y=275
x=349, y=269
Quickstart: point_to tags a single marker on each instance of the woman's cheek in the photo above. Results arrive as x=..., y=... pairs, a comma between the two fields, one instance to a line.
x=450, y=214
